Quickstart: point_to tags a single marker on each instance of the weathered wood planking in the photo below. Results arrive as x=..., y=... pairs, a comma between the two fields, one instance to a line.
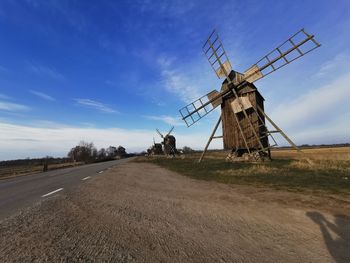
x=232, y=137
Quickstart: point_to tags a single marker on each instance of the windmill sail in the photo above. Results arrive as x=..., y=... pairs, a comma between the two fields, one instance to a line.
x=171, y=129
x=293, y=48
x=245, y=104
x=160, y=134
x=196, y=110
x=243, y=126
x=216, y=55
x=214, y=98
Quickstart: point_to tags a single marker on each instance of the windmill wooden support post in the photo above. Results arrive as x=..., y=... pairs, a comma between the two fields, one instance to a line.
x=279, y=130
x=210, y=139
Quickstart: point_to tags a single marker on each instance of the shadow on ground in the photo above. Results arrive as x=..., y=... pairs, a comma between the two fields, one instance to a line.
x=336, y=235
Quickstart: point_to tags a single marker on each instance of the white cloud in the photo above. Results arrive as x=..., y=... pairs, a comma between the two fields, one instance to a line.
x=188, y=81
x=174, y=121
x=45, y=71
x=21, y=141
x=179, y=84
x=330, y=98
x=9, y=106
x=95, y=105
x=42, y=95
x=320, y=115
x=336, y=131
x=176, y=82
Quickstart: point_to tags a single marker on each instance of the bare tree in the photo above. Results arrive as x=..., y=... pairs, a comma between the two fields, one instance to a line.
x=121, y=151
x=111, y=151
x=83, y=152
x=187, y=149
x=102, y=154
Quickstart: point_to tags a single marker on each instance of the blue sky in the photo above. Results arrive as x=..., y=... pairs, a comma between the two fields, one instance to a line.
x=112, y=71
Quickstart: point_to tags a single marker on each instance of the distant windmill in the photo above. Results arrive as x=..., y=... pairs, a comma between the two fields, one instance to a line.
x=242, y=106
x=155, y=149
x=169, y=142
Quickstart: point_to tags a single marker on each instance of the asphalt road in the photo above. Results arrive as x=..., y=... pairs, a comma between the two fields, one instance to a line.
x=20, y=192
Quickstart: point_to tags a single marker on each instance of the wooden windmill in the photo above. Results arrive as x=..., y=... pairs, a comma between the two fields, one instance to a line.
x=242, y=106
x=155, y=149
x=169, y=142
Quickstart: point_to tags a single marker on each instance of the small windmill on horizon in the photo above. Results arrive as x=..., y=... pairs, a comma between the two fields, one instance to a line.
x=169, y=142
x=243, y=118
x=155, y=149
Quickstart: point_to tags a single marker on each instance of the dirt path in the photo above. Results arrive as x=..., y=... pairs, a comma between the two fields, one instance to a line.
x=140, y=212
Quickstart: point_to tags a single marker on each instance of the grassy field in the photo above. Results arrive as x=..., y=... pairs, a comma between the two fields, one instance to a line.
x=18, y=170
x=320, y=170
x=336, y=153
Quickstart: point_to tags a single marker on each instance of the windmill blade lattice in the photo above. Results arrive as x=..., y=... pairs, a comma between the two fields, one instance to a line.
x=170, y=131
x=216, y=55
x=201, y=107
x=293, y=48
x=160, y=134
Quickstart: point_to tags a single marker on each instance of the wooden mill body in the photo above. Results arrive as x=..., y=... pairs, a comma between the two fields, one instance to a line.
x=232, y=137
x=157, y=149
x=169, y=144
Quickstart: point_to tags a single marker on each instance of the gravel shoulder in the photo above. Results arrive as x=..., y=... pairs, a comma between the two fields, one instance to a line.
x=144, y=213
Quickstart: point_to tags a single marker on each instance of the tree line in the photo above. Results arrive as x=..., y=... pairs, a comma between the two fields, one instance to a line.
x=86, y=152
x=83, y=152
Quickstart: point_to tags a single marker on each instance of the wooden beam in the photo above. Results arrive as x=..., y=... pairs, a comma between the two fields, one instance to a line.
x=210, y=139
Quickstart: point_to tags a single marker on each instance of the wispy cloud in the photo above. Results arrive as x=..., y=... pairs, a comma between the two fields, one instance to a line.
x=45, y=71
x=335, y=131
x=175, y=121
x=187, y=85
x=9, y=106
x=95, y=105
x=4, y=97
x=42, y=95
x=21, y=141
x=340, y=61
x=178, y=84
x=316, y=111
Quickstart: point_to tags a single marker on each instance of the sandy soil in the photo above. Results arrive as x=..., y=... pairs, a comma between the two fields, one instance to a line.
x=141, y=212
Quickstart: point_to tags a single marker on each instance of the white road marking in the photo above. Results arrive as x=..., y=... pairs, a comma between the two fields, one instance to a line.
x=85, y=178
x=57, y=190
x=100, y=172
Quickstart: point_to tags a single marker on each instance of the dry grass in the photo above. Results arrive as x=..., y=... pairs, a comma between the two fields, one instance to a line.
x=246, y=171
x=336, y=153
x=13, y=171
x=324, y=169
x=320, y=164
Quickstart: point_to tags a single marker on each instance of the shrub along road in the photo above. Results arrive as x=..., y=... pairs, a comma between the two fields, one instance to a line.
x=141, y=212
